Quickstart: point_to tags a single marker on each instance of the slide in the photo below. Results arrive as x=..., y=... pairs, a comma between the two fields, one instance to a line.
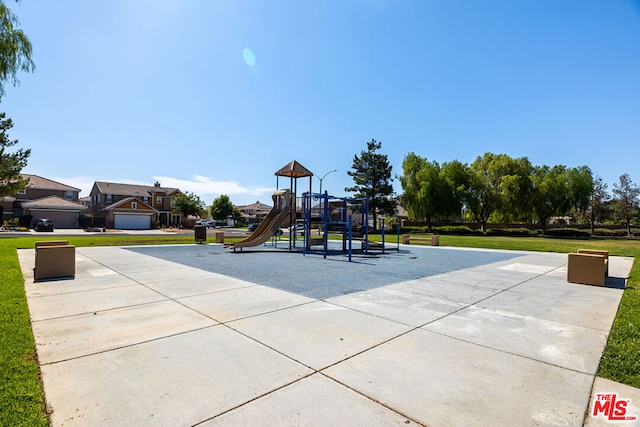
x=272, y=222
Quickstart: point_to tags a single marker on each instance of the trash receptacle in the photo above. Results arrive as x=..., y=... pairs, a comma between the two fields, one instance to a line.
x=219, y=236
x=200, y=233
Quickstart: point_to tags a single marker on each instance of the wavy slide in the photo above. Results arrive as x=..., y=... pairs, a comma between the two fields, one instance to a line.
x=270, y=225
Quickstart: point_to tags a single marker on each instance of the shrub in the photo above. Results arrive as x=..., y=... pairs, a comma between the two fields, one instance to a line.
x=607, y=232
x=25, y=220
x=567, y=232
x=85, y=220
x=455, y=229
x=520, y=231
x=11, y=223
x=414, y=229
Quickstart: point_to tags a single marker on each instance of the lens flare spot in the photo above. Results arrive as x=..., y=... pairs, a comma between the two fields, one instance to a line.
x=249, y=57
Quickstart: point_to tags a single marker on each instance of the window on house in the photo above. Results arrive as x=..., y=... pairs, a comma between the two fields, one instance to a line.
x=145, y=199
x=22, y=191
x=68, y=195
x=159, y=200
x=108, y=198
x=134, y=205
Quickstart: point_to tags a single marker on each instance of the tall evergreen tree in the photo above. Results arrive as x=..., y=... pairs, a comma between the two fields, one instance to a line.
x=11, y=164
x=372, y=177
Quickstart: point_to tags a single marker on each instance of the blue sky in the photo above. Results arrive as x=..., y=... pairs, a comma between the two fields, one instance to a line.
x=213, y=96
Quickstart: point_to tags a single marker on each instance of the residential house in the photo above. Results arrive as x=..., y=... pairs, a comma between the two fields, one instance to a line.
x=6, y=208
x=44, y=198
x=132, y=206
x=255, y=212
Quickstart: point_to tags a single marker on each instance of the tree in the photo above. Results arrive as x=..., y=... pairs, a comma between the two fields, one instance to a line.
x=456, y=175
x=237, y=216
x=550, y=190
x=372, y=177
x=580, y=182
x=11, y=164
x=430, y=191
x=221, y=208
x=483, y=194
x=626, y=203
x=412, y=165
x=515, y=187
x=189, y=204
x=598, y=202
x=15, y=48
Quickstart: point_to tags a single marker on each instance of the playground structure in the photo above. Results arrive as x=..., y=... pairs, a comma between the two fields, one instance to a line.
x=326, y=215
x=277, y=217
x=312, y=218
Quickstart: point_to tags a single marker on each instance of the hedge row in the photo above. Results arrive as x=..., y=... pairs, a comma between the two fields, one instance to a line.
x=521, y=231
x=568, y=232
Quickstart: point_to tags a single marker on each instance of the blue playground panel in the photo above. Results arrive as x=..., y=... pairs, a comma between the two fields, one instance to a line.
x=316, y=277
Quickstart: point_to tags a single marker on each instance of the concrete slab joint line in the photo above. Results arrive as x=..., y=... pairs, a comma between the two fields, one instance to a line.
x=191, y=335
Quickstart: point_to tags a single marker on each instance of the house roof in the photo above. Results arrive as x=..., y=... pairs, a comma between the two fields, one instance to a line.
x=39, y=183
x=294, y=169
x=258, y=205
x=119, y=203
x=400, y=211
x=53, y=202
x=132, y=190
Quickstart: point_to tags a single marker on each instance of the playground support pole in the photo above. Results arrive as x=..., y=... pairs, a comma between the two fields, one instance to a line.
x=366, y=224
x=350, y=236
x=324, y=240
x=382, y=235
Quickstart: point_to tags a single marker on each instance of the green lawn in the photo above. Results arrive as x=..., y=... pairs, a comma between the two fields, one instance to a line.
x=21, y=395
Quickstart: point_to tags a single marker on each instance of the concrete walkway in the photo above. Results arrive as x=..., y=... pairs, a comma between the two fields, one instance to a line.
x=138, y=340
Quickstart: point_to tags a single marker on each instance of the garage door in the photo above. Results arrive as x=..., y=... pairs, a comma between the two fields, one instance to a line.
x=60, y=219
x=133, y=222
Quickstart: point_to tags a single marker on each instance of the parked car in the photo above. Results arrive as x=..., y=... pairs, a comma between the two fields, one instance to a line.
x=206, y=223
x=44, y=224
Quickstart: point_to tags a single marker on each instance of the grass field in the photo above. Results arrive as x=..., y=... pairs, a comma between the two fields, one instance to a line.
x=21, y=395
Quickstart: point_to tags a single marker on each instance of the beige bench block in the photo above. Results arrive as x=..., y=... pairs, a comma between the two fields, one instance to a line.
x=597, y=252
x=55, y=261
x=434, y=239
x=588, y=269
x=51, y=243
